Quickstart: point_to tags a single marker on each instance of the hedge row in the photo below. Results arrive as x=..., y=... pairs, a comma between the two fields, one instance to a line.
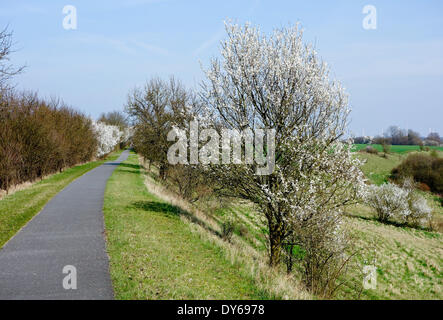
x=39, y=137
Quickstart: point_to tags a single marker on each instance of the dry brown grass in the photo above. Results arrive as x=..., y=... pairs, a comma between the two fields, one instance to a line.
x=27, y=184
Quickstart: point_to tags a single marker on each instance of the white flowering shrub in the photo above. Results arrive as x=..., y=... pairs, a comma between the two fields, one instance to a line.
x=403, y=204
x=108, y=137
x=420, y=212
x=127, y=135
x=388, y=201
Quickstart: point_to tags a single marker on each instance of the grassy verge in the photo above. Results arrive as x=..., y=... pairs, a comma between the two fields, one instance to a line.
x=154, y=254
x=18, y=208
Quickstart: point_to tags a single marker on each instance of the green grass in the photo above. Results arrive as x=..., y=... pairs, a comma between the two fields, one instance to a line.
x=408, y=261
x=18, y=208
x=394, y=148
x=377, y=168
x=153, y=252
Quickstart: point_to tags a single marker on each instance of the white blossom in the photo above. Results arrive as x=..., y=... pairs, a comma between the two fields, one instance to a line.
x=388, y=200
x=278, y=82
x=108, y=137
x=393, y=202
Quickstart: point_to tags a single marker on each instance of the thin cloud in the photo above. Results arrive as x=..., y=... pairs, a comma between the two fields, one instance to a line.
x=151, y=48
x=210, y=42
x=125, y=46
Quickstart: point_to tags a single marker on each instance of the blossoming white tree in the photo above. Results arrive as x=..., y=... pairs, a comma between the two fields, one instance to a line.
x=108, y=137
x=278, y=82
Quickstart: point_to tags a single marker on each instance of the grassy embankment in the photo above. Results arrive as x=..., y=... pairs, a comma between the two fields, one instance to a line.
x=18, y=208
x=155, y=254
x=409, y=261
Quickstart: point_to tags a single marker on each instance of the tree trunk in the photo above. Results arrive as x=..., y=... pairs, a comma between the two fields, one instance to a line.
x=162, y=172
x=275, y=242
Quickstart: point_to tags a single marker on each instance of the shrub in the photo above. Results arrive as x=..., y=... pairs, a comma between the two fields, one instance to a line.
x=370, y=149
x=434, y=153
x=242, y=230
x=38, y=137
x=320, y=247
x=388, y=201
x=191, y=183
x=403, y=204
x=108, y=137
x=386, y=148
x=419, y=210
x=423, y=168
x=227, y=230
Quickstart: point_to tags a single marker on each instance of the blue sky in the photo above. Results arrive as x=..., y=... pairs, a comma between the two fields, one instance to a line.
x=394, y=74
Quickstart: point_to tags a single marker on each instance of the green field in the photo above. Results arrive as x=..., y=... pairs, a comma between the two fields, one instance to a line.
x=394, y=148
x=376, y=168
x=18, y=208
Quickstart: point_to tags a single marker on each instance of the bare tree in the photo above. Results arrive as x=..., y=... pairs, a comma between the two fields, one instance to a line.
x=7, y=71
x=434, y=136
x=156, y=108
x=114, y=118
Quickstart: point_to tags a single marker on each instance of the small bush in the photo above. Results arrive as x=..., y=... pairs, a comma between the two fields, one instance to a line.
x=388, y=201
x=190, y=181
x=419, y=210
x=320, y=247
x=227, y=230
x=370, y=149
x=402, y=204
x=242, y=230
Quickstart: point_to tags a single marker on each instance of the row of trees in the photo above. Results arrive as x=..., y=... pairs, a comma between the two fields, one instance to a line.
x=39, y=137
x=157, y=108
x=397, y=136
x=267, y=82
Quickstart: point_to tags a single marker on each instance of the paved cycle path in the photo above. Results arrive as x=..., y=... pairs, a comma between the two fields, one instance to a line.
x=69, y=231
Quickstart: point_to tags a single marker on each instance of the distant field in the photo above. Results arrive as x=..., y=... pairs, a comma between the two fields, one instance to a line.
x=394, y=148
